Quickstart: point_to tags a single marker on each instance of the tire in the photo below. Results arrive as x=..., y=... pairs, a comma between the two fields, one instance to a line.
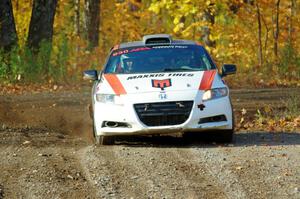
x=219, y=136
x=90, y=109
x=104, y=140
x=225, y=136
x=193, y=136
x=99, y=140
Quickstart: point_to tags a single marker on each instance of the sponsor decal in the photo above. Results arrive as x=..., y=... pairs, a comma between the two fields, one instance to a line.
x=162, y=84
x=134, y=77
x=207, y=80
x=121, y=52
x=201, y=107
x=115, y=84
x=126, y=51
x=162, y=47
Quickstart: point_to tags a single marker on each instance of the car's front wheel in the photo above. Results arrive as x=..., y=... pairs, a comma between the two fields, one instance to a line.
x=104, y=140
x=225, y=136
x=220, y=136
x=101, y=139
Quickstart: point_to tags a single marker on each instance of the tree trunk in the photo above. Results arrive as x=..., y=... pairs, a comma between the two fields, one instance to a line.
x=41, y=23
x=276, y=31
x=291, y=19
x=77, y=17
x=260, y=49
x=267, y=33
x=8, y=33
x=208, y=16
x=77, y=30
x=92, y=14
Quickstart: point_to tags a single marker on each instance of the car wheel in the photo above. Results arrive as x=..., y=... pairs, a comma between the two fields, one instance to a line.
x=219, y=136
x=225, y=136
x=102, y=140
x=194, y=136
x=90, y=111
x=105, y=140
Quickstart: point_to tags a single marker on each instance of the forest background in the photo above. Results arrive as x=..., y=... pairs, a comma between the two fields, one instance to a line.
x=53, y=41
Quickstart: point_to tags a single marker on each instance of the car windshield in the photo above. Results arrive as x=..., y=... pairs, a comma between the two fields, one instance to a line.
x=159, y=59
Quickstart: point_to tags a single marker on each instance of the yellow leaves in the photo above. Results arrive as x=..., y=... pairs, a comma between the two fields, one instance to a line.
x=214, y=37
x=297, y=122
x=155, y=7
x=185, y=9
x=268, y=109
x=244, y=111
x=176, y=20
x=178, y=27
x=242, y=120
x=181, y=13
x=194, y=10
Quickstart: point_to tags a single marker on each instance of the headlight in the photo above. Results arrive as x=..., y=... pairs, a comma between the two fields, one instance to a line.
x=215, y=93
x=109, y=98
x=105, y=98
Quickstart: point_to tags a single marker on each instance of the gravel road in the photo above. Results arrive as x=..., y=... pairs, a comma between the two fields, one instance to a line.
x=46, y=151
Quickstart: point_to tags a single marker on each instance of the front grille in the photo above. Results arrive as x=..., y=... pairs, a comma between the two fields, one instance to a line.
x=164, y=114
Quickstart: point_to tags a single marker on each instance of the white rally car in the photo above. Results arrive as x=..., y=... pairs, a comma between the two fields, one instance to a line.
x=160, y=85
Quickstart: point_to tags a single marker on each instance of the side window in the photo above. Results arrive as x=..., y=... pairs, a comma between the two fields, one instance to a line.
x=212, y=64
x=206, y=62
x=113, y=65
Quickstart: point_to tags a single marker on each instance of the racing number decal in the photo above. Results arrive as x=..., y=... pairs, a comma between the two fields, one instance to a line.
x=207, y=80
x=115, y=84
x=162, y=84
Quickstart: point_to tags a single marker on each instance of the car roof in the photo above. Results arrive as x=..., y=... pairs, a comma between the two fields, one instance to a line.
x=140, y=43
x=147, y=38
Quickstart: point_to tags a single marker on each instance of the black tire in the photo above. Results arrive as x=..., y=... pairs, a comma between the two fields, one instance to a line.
x=105, y=140
x=194, y=136
x=219, y=136
x=90, y=111
x=94, y=131
x=102, y=140
x=225, y=136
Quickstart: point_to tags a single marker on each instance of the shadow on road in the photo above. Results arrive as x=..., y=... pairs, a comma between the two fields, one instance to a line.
x=209, y=140
x=266, y=139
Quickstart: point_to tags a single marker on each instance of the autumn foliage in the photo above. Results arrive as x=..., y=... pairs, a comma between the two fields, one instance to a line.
x=261, y=37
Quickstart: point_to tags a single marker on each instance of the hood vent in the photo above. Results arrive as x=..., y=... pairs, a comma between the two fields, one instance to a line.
x=158, y=39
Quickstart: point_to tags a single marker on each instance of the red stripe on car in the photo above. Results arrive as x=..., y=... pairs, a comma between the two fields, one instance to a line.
x=115, y=84
x=207, y=80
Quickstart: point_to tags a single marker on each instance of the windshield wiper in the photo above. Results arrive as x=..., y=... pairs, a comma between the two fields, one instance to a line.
x=170, y=69
x=181, y=69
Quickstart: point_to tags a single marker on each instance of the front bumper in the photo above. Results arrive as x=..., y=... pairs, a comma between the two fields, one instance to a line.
x=126, y=114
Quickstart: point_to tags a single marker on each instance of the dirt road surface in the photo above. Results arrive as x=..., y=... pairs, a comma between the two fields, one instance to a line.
x=46, y=151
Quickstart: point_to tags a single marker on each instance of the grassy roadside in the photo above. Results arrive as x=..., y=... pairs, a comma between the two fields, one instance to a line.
x=264, y=113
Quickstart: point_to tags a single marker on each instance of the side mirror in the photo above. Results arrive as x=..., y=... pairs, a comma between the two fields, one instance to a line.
x=90, y=75
x=228, y=69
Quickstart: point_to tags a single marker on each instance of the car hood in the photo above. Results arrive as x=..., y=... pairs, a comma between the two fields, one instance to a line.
x=122, y=84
